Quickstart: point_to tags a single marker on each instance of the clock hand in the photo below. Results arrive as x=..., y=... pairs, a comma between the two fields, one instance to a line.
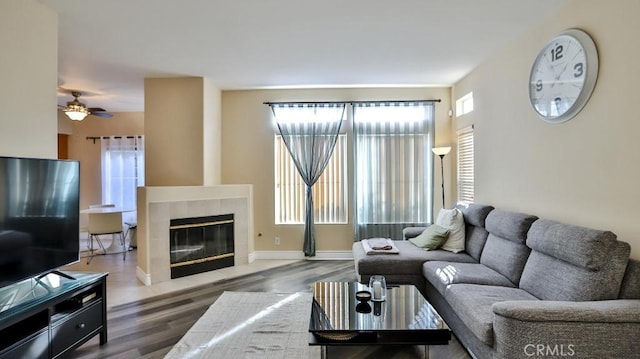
x=562, y=71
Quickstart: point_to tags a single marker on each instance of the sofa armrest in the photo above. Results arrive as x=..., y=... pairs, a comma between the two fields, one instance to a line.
x=412, y=232
x=608, y=311
x=597, y=329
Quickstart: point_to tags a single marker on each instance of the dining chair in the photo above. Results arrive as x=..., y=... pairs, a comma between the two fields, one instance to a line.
x=105, y=223
x=85, y=229
x=132, y=227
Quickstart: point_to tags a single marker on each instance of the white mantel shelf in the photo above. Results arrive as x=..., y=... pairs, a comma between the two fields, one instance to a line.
x=157, y=206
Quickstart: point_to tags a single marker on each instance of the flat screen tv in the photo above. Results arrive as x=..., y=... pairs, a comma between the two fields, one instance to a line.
x=39, y=216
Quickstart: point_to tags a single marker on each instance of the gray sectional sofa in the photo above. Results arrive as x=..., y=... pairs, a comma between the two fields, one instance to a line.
x=524, y=287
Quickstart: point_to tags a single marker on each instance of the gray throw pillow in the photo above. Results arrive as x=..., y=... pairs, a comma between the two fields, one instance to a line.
x=432, y=238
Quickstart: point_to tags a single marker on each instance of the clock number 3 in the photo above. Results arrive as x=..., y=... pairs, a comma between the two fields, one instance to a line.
x=578, y=69
x=556, y=53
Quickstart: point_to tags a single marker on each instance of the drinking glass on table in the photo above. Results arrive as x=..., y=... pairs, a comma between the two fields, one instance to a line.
x=378, y=287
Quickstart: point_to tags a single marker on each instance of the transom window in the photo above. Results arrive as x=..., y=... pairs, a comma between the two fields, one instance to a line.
x=464, y=104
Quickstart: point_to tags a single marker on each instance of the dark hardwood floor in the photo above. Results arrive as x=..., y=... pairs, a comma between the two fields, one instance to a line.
x=150, y=327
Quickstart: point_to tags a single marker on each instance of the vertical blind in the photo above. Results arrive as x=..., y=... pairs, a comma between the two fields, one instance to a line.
x=465, y=165
x=329, y=193
x=394, y=168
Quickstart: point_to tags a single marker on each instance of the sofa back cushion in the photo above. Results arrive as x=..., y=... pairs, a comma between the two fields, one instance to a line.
x=505, y=250
x=630, y=288
x=476, y=235
x=580, y=246
x=573, y=263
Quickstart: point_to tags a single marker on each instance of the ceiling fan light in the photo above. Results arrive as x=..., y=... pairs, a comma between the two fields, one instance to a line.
x=76, y=113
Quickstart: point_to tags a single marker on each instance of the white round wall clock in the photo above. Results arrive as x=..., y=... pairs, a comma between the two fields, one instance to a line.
x=563, y=76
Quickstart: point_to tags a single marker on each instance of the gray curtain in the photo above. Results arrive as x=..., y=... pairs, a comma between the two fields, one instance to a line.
x=393, y=167
x=310, y=132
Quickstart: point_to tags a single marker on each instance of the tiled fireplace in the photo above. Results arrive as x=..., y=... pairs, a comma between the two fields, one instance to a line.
x=159, y=206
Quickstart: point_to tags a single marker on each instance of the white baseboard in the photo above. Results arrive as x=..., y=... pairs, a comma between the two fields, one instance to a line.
x=142, y=276
x=252, y=257
x=291, y=255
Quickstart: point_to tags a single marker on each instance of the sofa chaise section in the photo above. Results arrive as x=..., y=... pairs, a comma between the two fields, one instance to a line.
x=402, y=268
x=406, y=267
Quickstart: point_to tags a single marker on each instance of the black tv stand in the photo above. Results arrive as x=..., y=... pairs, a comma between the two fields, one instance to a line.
x=52, y=319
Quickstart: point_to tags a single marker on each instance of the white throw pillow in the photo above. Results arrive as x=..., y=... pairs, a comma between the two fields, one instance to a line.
x=453, y=220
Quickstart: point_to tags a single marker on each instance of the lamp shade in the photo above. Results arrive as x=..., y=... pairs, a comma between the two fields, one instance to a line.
x=76, y=115
x=441, y=151
x=76, y=112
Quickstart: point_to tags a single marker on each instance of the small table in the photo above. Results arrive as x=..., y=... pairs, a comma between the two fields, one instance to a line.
x=405, y=318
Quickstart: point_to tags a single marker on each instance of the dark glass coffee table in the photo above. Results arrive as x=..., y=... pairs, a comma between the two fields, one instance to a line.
x=404, y=318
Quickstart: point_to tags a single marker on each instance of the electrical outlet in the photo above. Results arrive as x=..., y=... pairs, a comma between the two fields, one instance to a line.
x=277, y=241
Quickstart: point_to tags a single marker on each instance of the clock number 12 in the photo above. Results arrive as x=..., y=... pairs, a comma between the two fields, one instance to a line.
x=556, y=53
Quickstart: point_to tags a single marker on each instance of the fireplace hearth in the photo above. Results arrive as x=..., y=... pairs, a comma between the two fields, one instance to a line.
x=201, y=244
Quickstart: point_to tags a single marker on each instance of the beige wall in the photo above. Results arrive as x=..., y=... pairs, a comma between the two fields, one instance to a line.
x=28, y=74
x=248, y=156
x=212, y=135
x=584, y=171
x=179, y=114
x=89, y=153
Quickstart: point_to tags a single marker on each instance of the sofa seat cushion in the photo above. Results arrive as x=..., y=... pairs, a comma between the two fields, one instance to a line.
x=473, y=303
x=408, y=262
x=442, y=274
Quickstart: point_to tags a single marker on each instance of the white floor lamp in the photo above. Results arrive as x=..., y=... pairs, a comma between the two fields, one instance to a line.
x=441, y=151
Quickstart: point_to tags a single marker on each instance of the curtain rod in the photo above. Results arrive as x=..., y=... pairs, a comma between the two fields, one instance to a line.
x=94, y=138
x=345, y=102
x=401, y=101
x=302, y=102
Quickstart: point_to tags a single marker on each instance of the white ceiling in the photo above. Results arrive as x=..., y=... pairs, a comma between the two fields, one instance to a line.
x=108, y=47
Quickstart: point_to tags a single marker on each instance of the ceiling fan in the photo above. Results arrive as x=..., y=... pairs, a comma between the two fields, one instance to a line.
x=77, y=111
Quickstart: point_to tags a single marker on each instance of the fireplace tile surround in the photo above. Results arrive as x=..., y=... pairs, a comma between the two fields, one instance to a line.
x=157, y=206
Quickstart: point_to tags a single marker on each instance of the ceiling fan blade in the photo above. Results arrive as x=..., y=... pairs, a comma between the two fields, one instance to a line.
x=96, y=109
x=101, y=114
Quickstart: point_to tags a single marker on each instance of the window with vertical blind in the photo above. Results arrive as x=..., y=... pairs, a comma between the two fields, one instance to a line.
x=393, y=167
x=465, y=165
x=329, y=193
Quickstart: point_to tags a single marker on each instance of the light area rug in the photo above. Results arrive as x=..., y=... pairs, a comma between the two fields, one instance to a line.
x=251, y=325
